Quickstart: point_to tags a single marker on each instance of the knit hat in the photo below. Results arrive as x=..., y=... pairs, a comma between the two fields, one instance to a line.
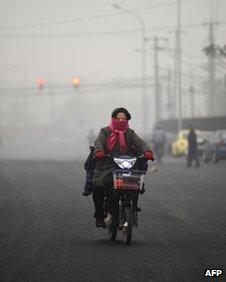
x=121, y=110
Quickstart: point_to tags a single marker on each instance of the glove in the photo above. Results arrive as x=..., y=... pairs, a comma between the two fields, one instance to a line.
x=99, y=154
x=149, y=155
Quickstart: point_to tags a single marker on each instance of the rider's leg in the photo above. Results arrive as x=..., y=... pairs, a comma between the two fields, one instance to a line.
x=108, y=186
x=98, y=199
x=111, y=198
x=88, y=188
x=135, y=199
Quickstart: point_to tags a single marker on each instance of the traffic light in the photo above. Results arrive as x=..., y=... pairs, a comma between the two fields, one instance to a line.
x=76, y=82
x=40, y=82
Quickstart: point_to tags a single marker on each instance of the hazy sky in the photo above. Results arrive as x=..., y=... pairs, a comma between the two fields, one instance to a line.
x=98, y=43
x=60, y=51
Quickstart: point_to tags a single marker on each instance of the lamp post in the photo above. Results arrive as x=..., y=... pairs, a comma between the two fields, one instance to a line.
x=145, y=121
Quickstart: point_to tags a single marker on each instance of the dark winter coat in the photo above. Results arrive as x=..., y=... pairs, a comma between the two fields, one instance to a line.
x=192, y=144
x=89, y=166
x=107, y=165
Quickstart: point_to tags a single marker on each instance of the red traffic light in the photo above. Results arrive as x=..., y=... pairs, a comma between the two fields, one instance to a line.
x=40, y=82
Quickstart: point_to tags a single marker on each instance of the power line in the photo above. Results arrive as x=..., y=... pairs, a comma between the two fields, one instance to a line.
x=84, y=18
x=183, y=73
x=98, y=33
x=18, y=93
x=197, y=90
x=159, y=5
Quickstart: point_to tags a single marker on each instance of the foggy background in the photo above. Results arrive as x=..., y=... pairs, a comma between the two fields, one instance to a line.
x=65, y=65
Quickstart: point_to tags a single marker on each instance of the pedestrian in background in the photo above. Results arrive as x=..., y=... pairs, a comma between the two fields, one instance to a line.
x=158, y=140
x=192, y=148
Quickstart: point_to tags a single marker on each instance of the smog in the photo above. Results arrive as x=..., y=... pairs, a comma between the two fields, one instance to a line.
x=66, y=66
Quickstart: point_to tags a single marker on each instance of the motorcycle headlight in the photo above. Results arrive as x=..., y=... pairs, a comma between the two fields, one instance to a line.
x=125, y=163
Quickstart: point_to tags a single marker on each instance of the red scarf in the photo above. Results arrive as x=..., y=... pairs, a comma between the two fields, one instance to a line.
x=118, y=128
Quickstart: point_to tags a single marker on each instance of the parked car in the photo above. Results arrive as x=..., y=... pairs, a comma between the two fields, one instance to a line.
x=215, y=149
x=203, y=137
x=180, y=145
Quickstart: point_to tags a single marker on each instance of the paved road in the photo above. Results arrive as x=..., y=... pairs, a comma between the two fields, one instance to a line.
x=47, y=232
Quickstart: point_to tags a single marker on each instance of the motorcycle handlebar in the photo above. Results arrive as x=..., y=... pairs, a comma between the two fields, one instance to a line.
x=138, y=157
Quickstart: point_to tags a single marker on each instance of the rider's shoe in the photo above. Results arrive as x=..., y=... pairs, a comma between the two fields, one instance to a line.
x=86, y=193
x=142, y=191
x=100, y=223
x=87, y=189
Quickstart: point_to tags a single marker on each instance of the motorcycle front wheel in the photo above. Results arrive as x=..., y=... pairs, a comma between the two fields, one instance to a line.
x=127, y=226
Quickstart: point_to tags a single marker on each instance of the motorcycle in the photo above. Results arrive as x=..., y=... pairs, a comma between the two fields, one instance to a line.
x=128, y=183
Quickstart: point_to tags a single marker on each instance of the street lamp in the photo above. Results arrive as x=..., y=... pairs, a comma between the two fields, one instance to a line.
x=143, y=72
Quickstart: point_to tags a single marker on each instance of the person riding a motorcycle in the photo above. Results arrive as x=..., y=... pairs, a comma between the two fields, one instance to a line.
x=115, y=140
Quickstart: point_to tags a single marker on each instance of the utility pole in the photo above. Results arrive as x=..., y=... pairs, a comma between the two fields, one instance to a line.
x=145, y=113
x=192, y=103
x=174, y=96
x=191, y=92
x=179, y=65
x=211, y=101
x=211, y=71
x=169, y=94
x=158, y=104
x=157, y=92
